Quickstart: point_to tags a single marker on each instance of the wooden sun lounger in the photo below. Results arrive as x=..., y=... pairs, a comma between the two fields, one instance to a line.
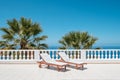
x=64, y=58
x=48, y=61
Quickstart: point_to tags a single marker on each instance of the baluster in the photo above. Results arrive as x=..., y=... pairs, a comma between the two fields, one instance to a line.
x=8, y=57
x=104, y=54
x=11, y=55
x=117, y=55
x=33, y=54
x=77, y=55
x=112, y=54
x=29, y=55
x=15, y=55
x=98, y=54
x=58, y=57
x=107, y=54
x=89, y=56
x=20, y=54
x=66, y=52
x=48, y=52
x=52, y=54
x=80, y=53
x=74, y=54
x=3, y=55
x=93, y=53
x=26, y=55
x=70, y=54
x=0, y=56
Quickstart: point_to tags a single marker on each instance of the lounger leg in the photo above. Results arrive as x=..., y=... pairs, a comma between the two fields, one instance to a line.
x=58, y=68
x=48, y=66
x=40, y=65
x=82, y=67
x=76, y=66
x=65, y=68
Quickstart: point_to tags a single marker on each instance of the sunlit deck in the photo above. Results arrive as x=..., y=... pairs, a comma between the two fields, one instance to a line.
x=33, y=72
x=22, y=65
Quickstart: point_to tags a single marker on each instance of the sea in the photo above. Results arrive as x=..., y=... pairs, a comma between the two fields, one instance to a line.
x=102, y=47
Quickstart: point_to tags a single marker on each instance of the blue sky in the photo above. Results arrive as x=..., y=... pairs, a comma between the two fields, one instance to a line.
x=101, y=18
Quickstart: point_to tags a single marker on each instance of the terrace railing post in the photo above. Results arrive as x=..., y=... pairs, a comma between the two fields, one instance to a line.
x=36, y=53
x=83, y=54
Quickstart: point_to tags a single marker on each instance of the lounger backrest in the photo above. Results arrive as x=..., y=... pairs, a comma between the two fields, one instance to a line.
x=46, y=57
x=64, y=56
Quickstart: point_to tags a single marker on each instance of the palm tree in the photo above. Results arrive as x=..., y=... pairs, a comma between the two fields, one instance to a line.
x=23, y=34
x=5, y=45
x=77, y=40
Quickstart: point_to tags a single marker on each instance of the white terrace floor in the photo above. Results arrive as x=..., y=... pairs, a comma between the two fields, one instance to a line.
x=32, y=72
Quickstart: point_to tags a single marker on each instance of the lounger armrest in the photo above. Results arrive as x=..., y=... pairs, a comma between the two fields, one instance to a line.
x=59, y=60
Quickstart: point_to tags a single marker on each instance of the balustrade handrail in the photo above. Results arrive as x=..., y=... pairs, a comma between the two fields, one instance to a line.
x=82, y=54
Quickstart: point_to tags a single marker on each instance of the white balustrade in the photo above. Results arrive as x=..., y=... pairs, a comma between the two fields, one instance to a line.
x=86, y=55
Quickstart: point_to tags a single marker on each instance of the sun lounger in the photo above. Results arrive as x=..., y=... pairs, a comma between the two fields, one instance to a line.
x=65, y=58
x=48, y=61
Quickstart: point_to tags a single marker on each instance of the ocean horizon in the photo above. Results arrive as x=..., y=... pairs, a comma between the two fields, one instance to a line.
x=102, y=47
